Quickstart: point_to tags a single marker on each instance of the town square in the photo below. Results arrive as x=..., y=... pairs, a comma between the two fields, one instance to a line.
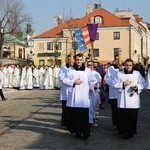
x=74, y=75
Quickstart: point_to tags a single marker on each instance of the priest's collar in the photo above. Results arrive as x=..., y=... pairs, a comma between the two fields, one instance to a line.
x=126, y=72
x=79, y=68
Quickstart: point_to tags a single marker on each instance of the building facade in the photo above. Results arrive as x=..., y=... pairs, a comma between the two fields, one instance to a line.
x=14, y=51
x=119, y=36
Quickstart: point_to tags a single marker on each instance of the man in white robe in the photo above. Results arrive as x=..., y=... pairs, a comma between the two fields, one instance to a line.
x=148, y=79
x=41, y=76
x=56, y=70
x=79, y=81
x=36, y=77
x=16, y=76
x=23, y=80
x=64, y=92
x=1, y=83
x=109, y=78
x=129, y=84
x=10, y=76
x=51, y=83
x=5, y=73
x=94, y=96
x=48, y=81
x=29, y=78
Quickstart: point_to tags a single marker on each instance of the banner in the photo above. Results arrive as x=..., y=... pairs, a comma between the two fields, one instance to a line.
x=83, y=38
x=80, y=39
x=92, y=28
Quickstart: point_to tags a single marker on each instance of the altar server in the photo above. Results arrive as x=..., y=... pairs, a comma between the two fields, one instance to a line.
x=129, y=84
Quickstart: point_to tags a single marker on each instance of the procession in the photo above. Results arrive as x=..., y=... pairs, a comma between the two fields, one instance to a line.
x=123, y=94
x=73, y=105
x=82, y=83
x=29, y=77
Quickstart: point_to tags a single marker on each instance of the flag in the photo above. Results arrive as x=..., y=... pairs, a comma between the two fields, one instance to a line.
x=86, y=36
x=80, y=39
x=92, y=28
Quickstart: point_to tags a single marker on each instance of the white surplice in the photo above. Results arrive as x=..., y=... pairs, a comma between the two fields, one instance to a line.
x=29, y=79
x=148, y=80
x=41, y=75
x=127, y=98
x=78, y=95
x=10, y=76
x=94, y=97
x=55, y=77
x=36, y=77
x=23, y=80
x=5, y=73
x=62, y=75
x=48, y=81
x=16, y=78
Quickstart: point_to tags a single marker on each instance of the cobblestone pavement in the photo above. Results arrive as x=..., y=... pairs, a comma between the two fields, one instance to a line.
x=31, y=120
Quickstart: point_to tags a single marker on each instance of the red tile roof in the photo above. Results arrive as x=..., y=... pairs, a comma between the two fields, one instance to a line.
x=109, y=20
x=138, y=18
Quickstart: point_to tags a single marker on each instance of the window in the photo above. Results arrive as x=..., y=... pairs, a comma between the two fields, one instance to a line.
x=49, y=45
x=98, y=19
x=20, y=53
x=116, y=53
x=116, y=35
x=42, y=62
x=24, y=53
x=97, y=36
x=96, y=53
x=50, y=62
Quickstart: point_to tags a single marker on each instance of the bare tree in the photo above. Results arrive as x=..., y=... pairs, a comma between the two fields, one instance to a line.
x=12, y=18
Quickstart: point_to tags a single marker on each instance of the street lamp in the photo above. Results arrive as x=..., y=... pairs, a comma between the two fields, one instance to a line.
x=1, y=37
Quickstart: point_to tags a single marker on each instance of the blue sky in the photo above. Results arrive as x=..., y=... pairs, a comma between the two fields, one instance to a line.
x=43, y=11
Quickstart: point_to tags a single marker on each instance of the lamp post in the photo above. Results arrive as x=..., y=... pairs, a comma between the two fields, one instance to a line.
x=74, y=46
x=1, y=38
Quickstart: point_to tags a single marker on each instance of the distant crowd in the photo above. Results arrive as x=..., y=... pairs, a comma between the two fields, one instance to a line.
x=28, y=77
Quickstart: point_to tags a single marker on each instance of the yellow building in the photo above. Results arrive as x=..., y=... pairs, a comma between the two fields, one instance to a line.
x=119, y=36
x=14, y=51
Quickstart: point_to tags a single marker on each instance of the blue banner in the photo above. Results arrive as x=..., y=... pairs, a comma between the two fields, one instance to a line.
x=80, y=39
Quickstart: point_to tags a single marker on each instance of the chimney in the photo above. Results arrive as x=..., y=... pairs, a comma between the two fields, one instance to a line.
x=89, y=8
x=55, y=21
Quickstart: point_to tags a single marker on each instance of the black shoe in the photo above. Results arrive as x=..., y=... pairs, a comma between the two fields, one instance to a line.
x=4, y=99
x=86, y=135
x=127, y=136
x=78, y=135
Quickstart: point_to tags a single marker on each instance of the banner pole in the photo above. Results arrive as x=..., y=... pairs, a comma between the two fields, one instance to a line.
x=92, y=48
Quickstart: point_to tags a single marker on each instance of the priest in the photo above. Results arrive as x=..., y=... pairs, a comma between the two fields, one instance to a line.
x=80, y=81
x=129, y=84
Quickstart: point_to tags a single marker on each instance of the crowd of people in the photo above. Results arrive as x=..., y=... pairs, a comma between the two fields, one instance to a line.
x=85, y=88
x=28, y=77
